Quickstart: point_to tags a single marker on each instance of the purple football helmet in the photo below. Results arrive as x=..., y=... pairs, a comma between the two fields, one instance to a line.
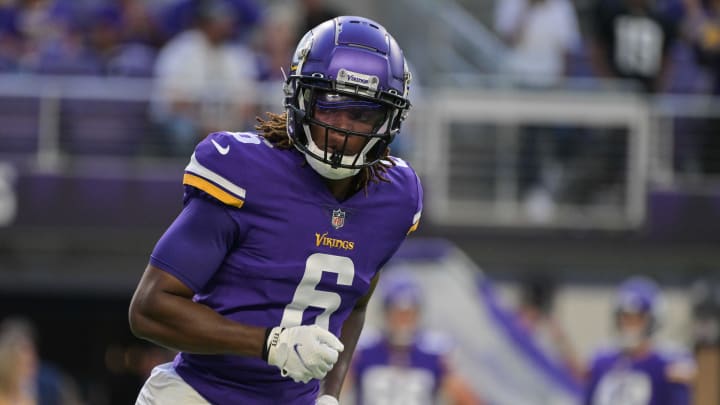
x=640, y=295
x=346, y=63
x=400, y=290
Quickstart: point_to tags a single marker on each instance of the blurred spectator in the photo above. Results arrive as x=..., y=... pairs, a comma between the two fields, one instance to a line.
x=54, y=36
x=703, y=29
x=314, y=13
x=540, y=35
x=639, y=370
x=140, y=25
x=11, y=40
x=535, y=313
x=179, y=16
x=118, y=51
x=65, y=37
x=41, y=20
x=204, y=83
x=18, y=365
x=276, y=41
x=631, y=41
x=404, y=364
x=24, y=379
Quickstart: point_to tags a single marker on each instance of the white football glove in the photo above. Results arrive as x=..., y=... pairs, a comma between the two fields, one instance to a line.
x=327, y=400
x=302, y=352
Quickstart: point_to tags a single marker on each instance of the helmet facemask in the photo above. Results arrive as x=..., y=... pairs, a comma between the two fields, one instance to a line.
x=313, y=113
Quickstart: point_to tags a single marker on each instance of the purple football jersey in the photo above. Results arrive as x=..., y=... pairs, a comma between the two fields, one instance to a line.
x=295, y=255
x=384, y=376
x=616, y=378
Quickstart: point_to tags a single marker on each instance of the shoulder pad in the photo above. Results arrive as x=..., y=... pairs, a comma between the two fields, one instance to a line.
x=435, y=342
x=680, y=365
x=217, y=165
x=403, y=174
x=674, y=353
x=604, y=352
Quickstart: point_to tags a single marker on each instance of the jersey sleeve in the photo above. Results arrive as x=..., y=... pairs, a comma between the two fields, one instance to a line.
x=414, y=189
x=418, y=206
x=220, y=166
x=196, y=243
x=680, y=365
x=680, y=371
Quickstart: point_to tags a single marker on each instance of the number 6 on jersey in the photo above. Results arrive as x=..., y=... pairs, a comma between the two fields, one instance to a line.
x=306, y=293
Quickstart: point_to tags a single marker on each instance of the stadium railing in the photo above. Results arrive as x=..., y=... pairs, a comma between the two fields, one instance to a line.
x=499, y=156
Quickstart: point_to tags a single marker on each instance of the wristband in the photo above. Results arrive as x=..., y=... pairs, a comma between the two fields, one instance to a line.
x=266, y=346
x=270, y=341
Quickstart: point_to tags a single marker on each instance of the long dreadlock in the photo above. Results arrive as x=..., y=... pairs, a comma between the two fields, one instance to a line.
x=274, y=129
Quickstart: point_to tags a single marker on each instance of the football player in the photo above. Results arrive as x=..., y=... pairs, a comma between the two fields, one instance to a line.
x=262, y=281
x=639, y=371
x=405, y=364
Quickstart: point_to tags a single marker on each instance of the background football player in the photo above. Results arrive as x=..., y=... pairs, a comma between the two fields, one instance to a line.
x=403, y=364
x=278, y=246
x=639, y=371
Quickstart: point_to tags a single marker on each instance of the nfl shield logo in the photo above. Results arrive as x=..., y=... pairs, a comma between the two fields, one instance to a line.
x=338, y=218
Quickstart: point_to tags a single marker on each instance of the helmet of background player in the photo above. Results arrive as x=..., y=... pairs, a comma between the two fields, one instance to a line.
x=401, y=299
x=347, y=63
x=638, y=307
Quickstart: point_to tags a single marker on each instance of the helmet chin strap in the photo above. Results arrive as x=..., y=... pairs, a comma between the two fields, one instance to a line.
x=325, y=169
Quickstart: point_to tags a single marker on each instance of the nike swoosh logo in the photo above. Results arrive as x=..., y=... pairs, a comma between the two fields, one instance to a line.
x=295, y=347
x=221, y=149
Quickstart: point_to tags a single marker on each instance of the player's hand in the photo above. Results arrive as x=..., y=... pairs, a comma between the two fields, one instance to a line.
x=303, y=352
x=327, y=400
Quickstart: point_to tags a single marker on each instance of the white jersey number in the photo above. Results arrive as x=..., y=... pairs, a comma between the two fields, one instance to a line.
x=625, y=387
x=639, y=45
x=250, y=138
x=307, y=293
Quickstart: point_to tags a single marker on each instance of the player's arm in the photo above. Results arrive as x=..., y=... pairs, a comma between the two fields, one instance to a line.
x=184, y=260
x=162, y=311
x=349, y=336
x=456, y=390
x=681, y=375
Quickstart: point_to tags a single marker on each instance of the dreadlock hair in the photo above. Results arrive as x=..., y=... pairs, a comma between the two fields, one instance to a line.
x=274, y=129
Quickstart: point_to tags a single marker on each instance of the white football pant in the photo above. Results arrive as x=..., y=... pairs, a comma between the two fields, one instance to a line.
x=166, y=387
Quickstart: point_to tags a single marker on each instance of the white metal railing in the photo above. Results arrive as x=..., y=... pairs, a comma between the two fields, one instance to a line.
x=467, y=144
x=506, y=110
x=681, y=123
x=50, y=92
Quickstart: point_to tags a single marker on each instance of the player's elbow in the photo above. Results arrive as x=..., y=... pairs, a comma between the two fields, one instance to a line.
x=138, y=316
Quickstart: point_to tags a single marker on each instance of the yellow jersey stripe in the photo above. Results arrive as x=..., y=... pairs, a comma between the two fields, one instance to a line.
x=215, y=191
x=414, y=227
x=416, y=222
